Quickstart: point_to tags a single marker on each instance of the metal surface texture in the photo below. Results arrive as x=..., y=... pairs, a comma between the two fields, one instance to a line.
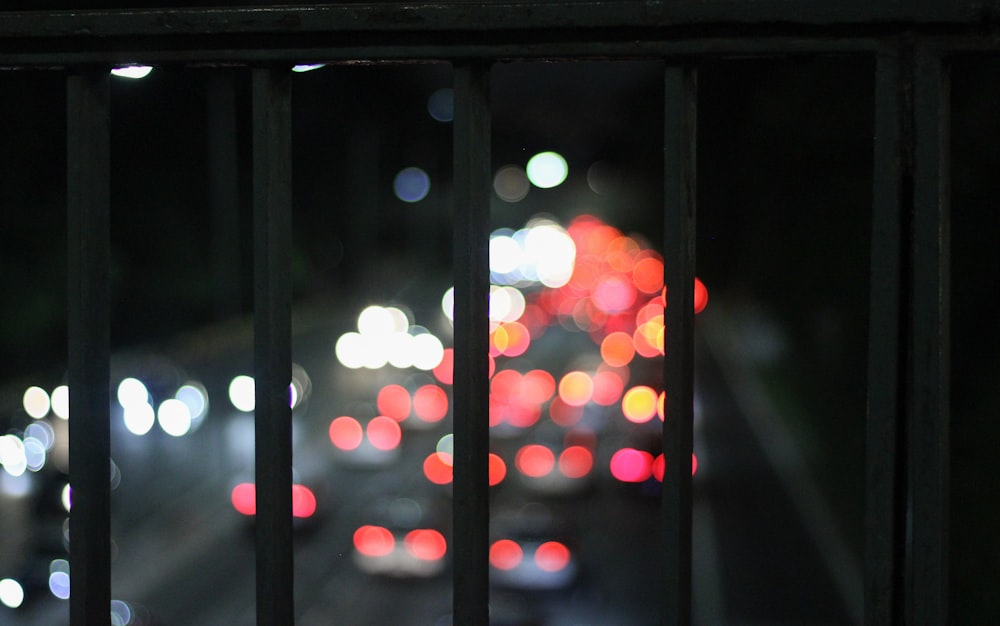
x=885, y=471
x=271, y=93
x=929, y=425
x=680, y=122
x=438, y=30
x=471, y=206
x=89, y=201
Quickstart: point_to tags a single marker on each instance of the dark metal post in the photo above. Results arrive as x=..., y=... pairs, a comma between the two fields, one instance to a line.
x=272, y=193
x=88, y=191
x=471, y=389
x=885, y=462
x=679, y=257
x=929, y=421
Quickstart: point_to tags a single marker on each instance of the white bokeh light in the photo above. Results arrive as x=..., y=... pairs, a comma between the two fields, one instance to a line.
x=132, y=391
x=138, y=418
x=427, y=351
x=174, y=417
x=242, y=393
x=505, y=254
x=60, y=401
x=11, y=593
x=552, y=252
x=12, y=455
x=36, y=402
x=132, y=71
x=547, y=170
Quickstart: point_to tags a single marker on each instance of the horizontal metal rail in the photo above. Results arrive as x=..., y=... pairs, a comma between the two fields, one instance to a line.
x=456, y=16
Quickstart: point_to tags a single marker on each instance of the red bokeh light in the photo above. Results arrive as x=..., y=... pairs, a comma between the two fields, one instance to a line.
x=303, y=501
x=700, y=296
x=631, y=466
x=445, y=370
x=505, y=554
x=576, y=462
x=551, y=556
x=244, y=498
x=430, y=403
x=660, y=464
x=564, y=414
x=425, y=544
x=384, y=433
x=374, y=541
x=608, y=388
x=438, y=468
x=498, y=470
x=534, y=460
x=346, y=433
x=394, y=401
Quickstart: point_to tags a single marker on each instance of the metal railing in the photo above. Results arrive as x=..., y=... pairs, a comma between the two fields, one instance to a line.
x=908, y=419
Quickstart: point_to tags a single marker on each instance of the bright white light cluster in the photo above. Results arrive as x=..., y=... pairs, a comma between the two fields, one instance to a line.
x=29, y=452
x=177, y=416
x=386, y=337
x=132, y=71
x=243, y=390
x=541, y=252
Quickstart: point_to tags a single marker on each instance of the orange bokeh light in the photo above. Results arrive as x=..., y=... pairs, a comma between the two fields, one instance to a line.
x=576, y=462
x=647, y=275
x=576, y=388
x=617, y=349
x=639, y=404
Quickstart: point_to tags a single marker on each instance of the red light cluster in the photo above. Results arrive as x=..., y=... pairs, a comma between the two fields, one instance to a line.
x=507, y=554
x=244, y=500
x=422, y=543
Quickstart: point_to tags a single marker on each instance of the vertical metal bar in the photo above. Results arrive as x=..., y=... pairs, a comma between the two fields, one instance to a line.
x=223, y=189
x=929, y=426
x=88, y=202
x=471, y=402
x=679, y=255
x=885, y=465
x=272, y=192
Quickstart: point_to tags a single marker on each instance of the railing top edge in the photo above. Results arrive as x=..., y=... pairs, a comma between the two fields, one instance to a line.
x=498, y=17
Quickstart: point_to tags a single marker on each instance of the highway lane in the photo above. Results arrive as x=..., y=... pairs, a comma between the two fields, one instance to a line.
x=184, y=556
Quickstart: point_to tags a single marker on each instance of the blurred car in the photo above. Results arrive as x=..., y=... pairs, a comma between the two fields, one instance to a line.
x=404, y=538
x=531, y=550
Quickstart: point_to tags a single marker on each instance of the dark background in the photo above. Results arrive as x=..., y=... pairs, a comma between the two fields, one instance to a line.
x=784, y=195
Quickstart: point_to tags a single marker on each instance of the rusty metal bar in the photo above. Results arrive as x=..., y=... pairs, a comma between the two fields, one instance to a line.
x=88, y=215
x=471, y=205
x=930, y=400
x=679, y=259
x=272, y=193
x=885, y=462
